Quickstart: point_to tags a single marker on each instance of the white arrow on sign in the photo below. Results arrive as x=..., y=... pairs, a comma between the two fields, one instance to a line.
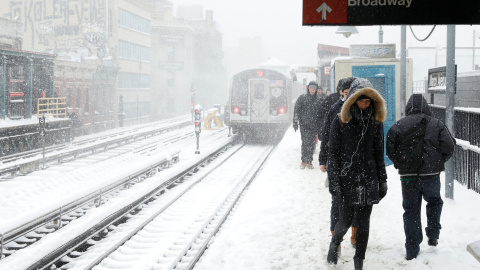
x=324, y=9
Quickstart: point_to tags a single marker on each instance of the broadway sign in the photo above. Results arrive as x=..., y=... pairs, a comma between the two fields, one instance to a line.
x=390, y=12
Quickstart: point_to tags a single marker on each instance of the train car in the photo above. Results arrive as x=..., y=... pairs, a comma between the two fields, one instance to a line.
x=260, y=103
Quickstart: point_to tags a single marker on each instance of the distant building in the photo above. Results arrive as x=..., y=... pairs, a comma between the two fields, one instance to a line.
x=325, y=54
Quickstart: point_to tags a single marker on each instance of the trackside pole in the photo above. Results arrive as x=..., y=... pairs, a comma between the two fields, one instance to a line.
x=449, y=109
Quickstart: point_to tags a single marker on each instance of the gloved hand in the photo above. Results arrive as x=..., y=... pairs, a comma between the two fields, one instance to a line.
x=334, y=188
x=382, y=190
x=295, y=126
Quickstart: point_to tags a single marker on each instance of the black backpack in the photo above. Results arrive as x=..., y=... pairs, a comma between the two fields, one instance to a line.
x=410, y=150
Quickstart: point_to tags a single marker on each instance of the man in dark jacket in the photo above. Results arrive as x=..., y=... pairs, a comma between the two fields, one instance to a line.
x=356, y=167
x=344, y=86
x=305, y=114
x=438, y=146
x=331, y=99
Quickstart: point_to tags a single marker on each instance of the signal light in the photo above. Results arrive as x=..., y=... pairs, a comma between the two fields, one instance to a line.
x=281, y=110
x=259, y=73
x=236, y=110
x=197, y=114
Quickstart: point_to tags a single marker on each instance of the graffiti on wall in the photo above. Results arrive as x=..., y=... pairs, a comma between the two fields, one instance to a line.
x=58, y=26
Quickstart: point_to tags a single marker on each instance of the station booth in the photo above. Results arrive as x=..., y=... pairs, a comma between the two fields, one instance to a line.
x=379, y=64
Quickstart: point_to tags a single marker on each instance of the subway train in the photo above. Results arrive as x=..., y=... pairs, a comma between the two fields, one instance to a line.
x=259, y=104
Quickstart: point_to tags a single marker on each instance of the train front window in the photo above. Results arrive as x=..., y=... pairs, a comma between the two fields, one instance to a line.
x=259, y=90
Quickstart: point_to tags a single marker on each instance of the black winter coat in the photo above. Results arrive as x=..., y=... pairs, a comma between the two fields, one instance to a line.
x=356, y=156
x=438, y=144
x=327, y=104
x=306, y=112
x=324, y=137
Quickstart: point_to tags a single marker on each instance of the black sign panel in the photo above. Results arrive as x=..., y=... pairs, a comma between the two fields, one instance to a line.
x=437, y=80
x=390, y=12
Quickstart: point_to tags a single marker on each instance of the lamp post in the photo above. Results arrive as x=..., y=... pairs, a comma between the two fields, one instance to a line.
x=380, y=35
x=346, y=31
x=475, y=36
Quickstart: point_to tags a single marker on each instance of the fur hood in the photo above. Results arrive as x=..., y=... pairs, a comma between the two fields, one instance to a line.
x=358, y=88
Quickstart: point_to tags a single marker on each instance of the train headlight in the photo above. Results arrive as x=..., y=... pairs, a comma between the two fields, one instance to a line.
x=243, y=112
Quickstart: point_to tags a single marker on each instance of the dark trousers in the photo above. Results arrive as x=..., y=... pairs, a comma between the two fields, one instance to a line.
x=412, y=192
x=335, y=214
x=308, y=143
x=363, y=227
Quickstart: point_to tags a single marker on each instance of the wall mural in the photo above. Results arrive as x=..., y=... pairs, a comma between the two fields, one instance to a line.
x=75, y=28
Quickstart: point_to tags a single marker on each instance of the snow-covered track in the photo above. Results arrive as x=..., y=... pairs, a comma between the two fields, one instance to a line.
x=178, y=221
x=174, y=235
x=108, y=216
x=30, y=232
x=27, y=162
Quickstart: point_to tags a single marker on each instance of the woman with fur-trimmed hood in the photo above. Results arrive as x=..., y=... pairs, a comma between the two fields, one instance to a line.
x=356, y=166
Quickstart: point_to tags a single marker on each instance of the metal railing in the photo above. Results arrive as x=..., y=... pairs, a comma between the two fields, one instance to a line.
x=467, y=153
x=56, y=107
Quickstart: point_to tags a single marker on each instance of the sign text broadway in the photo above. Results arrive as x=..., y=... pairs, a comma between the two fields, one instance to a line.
x=373, y=3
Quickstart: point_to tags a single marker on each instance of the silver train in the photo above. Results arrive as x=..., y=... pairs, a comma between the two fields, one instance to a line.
x=259, y=104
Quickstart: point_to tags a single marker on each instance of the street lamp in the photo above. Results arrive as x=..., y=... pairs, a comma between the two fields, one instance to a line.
x=380, y=35
x=346, y=31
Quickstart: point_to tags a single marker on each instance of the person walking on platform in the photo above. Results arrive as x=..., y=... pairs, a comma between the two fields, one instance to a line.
x=356, y=167
x=331, y=99
x=343, y=88
x=305, y=114
x=419, y=146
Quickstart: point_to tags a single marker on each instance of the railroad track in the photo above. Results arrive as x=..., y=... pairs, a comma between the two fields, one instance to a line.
x=24, y=163
x=44, y=223
x=182, y=221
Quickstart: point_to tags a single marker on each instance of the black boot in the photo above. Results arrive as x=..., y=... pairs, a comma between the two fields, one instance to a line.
x=332, y=256
x=358, y=264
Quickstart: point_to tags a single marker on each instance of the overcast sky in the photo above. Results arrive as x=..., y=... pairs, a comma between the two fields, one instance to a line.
x=279, y=24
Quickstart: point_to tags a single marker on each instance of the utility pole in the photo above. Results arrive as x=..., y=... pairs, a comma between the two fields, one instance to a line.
x=449, y=109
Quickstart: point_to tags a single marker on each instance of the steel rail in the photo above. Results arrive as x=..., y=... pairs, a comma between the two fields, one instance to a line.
x=206, y=243
x=69, y=246
x=17, y=232
x=77, y=152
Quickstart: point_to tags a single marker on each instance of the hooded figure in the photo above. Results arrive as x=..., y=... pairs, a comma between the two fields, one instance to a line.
x=331, y=114
x=342, y=88
x=356, y=167
x=438, y=144
x=306, y=114
x=436, y=148
x=330, y=100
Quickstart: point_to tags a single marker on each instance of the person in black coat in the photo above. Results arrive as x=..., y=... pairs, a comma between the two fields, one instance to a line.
x=438, y=146
x=344, y=86
x=356, y=166
x=306, y=114
x=331, y=99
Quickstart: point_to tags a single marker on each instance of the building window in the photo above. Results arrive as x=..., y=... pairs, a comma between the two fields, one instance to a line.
x=170, y=54
x=133, y=51
x=137, y=110
x=77, y=99
x=69, y=97
x=133, y=80
x=170, y=79
x=134, y=22
x=87, y=100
